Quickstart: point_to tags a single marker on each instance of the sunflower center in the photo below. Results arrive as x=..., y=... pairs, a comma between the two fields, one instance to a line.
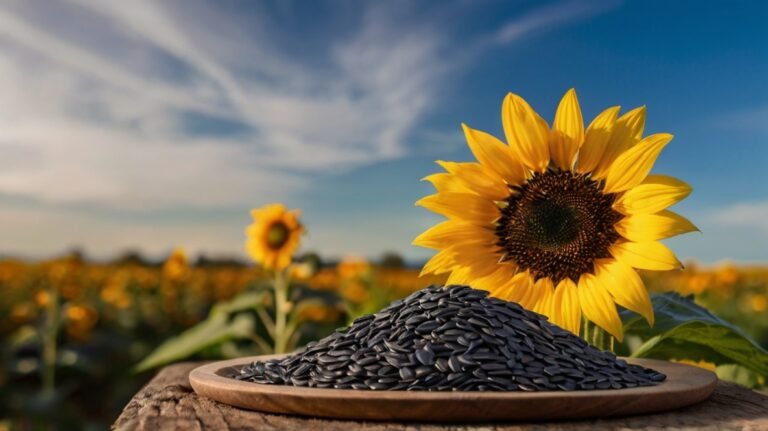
x=556, y=224
x=552, y=224
x=277, y=235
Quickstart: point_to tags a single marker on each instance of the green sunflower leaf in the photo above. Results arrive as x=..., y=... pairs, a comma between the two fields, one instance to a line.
x=685, y=330
x=222, y=324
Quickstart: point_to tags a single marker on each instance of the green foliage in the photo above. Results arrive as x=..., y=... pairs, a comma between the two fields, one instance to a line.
x=222, y=324
x=392, y=260
x=741, y=375
x=685, y=330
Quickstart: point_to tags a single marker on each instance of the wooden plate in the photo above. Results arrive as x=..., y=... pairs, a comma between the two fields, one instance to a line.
x=685, y=385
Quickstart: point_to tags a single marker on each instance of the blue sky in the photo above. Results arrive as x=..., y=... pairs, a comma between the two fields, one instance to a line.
x=149, y=125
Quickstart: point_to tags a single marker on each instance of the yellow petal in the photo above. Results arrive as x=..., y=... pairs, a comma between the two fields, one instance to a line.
x=567, y=302
x=440, y=263
x=521, y=290
x=459, y=276
x=477, y=179
x=445, y=182
x=651, y=255
x=494, y=155
x=451, y=232
x=598, y=306
x=497, y=282
x=268, y=211
x=567, y=131
x=650, y=227
x=626, y=287
x=633, y=165
x=625, y=134
x=654, y=194
x=482, y=257
x=545, y=304
x=527, y=133
x=596, y=139
x=462, y=206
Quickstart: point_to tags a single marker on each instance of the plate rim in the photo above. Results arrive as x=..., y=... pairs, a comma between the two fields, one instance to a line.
x=206, y=381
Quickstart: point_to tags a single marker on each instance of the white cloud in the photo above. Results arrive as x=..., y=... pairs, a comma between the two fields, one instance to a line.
x=106, y=132
x=98, y=101
x=746, y=215
x=552, y=15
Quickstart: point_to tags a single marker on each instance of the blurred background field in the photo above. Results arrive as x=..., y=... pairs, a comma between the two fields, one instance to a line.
x=112, y=315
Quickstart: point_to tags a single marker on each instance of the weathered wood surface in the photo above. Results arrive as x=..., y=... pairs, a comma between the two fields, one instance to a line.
x=169, y=403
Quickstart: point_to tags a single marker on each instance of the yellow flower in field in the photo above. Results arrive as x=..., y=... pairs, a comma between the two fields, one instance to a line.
x=302, y=271
x=317, y=312
x=42, y=298
x=176, y=266
x=557, y=219
x=353, y=267
x=701, y=364
x=354, y=291
x=759, y=302
x=23, y=312
x=325, y=279
x=80, y=320
x=274, y=236
x=728, y=274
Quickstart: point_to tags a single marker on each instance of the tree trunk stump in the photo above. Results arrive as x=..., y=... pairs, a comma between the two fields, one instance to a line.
x=169, y=403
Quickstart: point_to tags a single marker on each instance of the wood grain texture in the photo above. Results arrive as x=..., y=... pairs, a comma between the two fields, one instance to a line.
x=685, y=385
x=169, y=403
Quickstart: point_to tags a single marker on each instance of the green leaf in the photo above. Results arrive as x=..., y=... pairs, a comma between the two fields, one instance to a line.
x=738, y=374
x=244, y=301
x=685, y=330
x=217, y=328
x=214, y=330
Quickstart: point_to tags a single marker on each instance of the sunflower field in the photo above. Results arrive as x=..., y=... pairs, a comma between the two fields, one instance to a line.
x=80, y=338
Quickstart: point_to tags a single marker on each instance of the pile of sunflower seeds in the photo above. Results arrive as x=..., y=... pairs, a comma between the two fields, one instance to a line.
x=452, y=339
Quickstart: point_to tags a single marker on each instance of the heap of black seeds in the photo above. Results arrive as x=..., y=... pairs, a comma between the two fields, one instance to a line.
x=452, y=339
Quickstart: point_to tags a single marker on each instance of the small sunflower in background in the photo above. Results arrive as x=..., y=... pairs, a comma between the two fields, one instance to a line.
x=176, y=267
x=272, y=239
x=559, y=218
x=274, y=236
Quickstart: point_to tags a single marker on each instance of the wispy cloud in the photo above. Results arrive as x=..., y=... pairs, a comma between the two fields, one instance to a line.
x=746, y=215
x=147, y=106
x=551, y=16
x=748, y=120
x=102, y=130
x=735, y=231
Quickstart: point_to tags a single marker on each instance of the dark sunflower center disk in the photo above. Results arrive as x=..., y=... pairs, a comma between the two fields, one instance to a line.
x=557, y=224
x=553, y=224
x=277, y=235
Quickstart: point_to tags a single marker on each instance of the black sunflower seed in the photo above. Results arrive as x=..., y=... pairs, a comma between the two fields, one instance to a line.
x=451, y=339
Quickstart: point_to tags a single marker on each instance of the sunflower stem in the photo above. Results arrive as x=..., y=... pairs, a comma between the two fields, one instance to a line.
x=49, y=338
x=281, y=312
x=597, y=336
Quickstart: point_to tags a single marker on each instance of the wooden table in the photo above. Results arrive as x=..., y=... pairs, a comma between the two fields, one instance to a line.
x=168, y=403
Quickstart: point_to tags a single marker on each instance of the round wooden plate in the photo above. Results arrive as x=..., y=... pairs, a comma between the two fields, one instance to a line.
x=685, y=385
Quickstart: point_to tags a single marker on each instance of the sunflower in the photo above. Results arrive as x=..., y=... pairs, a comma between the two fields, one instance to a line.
x=273, y=236
x=559, y=219
x=176, y=267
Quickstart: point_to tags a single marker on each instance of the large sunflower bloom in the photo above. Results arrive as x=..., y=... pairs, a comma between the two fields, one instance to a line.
x=274, y=236
x=558, y=219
